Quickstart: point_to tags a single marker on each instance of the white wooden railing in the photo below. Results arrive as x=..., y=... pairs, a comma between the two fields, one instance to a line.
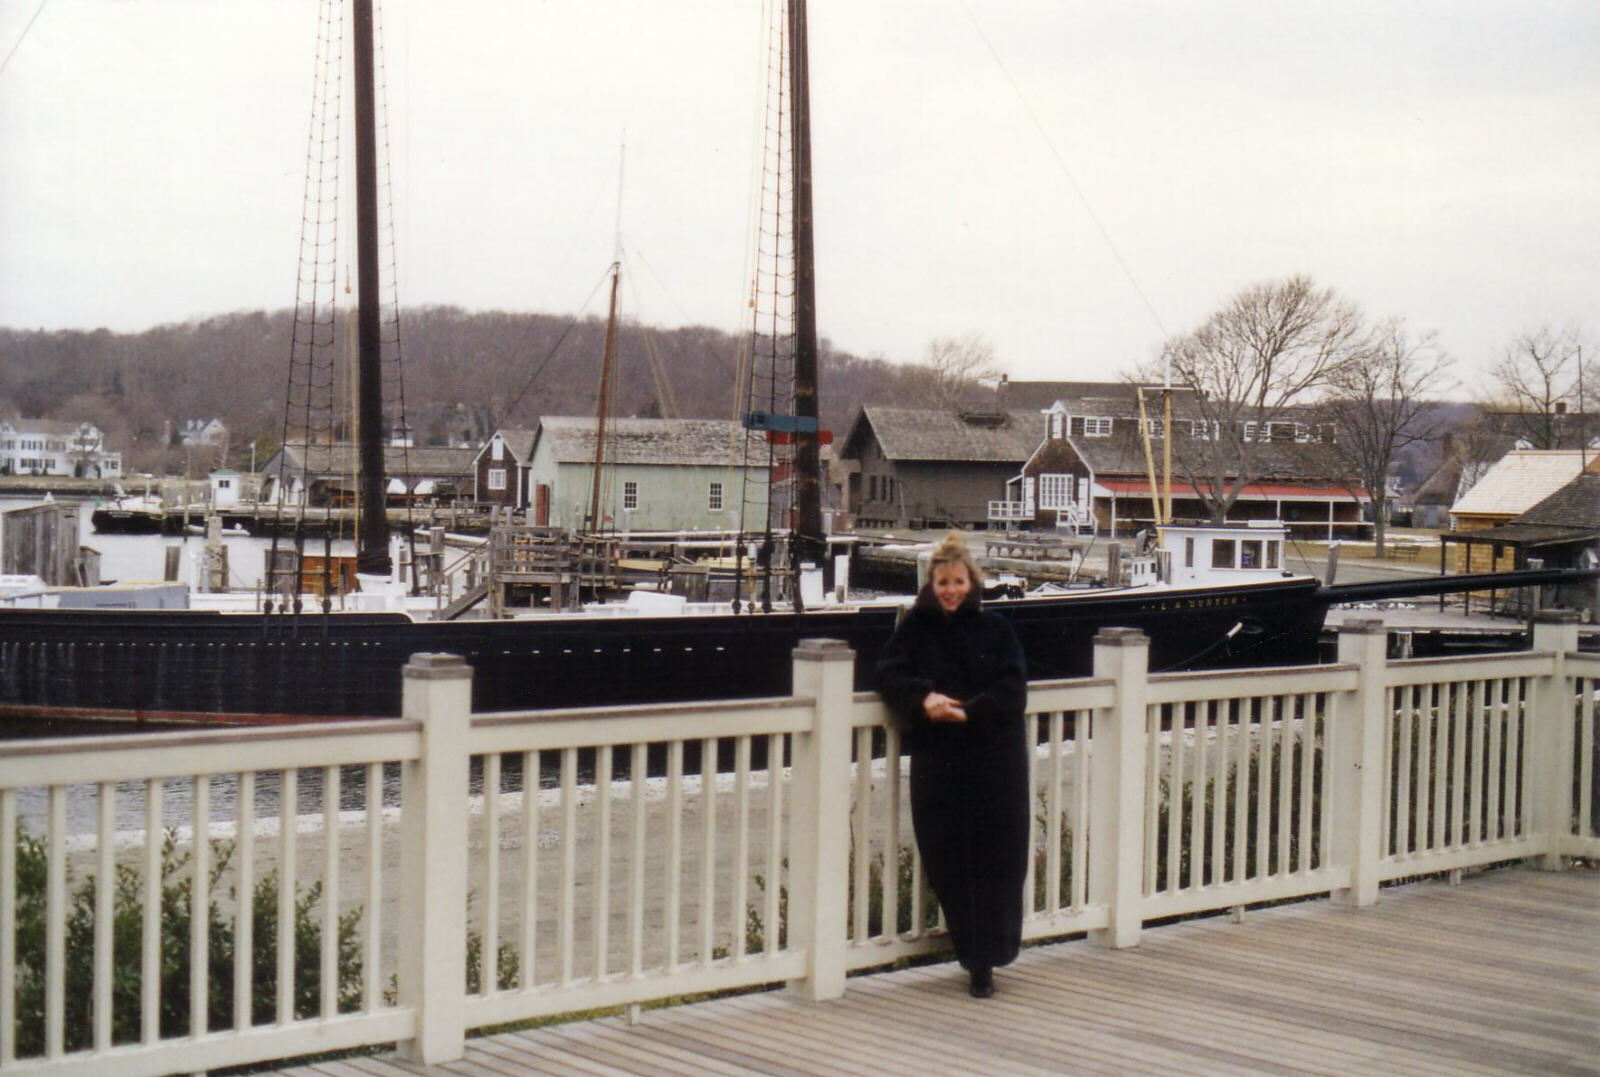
x=668, y=850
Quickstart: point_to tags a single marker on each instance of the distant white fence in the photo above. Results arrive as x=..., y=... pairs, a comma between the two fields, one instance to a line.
x=448, y=871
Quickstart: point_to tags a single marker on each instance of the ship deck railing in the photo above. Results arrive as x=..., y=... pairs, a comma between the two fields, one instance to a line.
x=437, y=886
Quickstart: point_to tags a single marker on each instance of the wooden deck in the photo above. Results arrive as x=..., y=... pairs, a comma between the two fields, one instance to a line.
x=1498, y=975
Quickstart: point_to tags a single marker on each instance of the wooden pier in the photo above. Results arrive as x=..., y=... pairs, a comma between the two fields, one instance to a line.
x=1500, y=974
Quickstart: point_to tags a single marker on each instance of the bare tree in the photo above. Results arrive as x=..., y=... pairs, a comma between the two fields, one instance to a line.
x=1542, y=392
x=958, y=365
x=1379, y=403
x=1251, y=364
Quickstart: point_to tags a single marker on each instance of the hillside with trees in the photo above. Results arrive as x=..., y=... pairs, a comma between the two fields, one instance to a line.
x=464, y=374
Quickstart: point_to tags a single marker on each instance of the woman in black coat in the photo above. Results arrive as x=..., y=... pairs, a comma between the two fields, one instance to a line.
x=955, y=675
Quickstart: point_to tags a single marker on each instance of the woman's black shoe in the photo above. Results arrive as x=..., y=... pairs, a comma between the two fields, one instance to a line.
x=982, y=985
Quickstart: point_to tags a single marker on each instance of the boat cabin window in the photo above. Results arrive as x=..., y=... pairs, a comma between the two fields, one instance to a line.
x=1222, y=553
x=1250, y=553
x=630, y=495
x=1188, y=552
x=1272, y=555
x=714, y=500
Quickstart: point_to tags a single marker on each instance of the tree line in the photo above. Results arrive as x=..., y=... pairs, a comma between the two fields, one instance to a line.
x=462, y=374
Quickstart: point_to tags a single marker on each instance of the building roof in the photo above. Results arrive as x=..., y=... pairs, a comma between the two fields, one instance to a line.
x=341, y=458
x=1521, y=480
x=1294, y=462
x=1038, y=395
x=1577, y=504
x=948, y=434
x=1439, y=488
x=671, y=442
x=48, y=426
x=520, y=442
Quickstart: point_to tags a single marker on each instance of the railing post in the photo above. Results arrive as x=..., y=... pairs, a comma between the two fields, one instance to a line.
x=1117, y=788
x=433, y=858
x=1355, y=766
x=1551, y=732
x=819, y=817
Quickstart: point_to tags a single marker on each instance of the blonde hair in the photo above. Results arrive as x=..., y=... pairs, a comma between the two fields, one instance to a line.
x=952, y=550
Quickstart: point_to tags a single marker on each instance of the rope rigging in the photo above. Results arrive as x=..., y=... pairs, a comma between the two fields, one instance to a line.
x=309, y=398
x=319, y=422
x=767, y=363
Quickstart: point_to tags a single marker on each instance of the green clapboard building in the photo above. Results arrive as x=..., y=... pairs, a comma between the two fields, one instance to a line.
x=656, y=475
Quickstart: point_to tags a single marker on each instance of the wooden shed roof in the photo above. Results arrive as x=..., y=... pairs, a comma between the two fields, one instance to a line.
x=670, y=442
x=948, y=434
x=1521, y=480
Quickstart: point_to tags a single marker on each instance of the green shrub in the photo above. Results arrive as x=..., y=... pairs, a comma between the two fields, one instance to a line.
x=127, y=967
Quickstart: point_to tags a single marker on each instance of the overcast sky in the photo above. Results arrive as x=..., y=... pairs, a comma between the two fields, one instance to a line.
x=1073, y=180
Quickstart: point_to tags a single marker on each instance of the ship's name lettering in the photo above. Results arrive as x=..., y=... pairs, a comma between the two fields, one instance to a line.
x=1194, y=603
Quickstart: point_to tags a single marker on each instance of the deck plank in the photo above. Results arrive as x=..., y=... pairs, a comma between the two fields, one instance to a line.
x=1499, y=974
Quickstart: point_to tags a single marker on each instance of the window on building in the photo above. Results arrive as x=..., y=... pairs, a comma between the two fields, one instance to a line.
x=1250, y=431
x=630, y=494
x=872, y=487
x=1221, y=553
x=1156, y=427
x=1096, y=426
x=714, y=499
x=497, y=478
x=1250, y=553
x=1055, y=491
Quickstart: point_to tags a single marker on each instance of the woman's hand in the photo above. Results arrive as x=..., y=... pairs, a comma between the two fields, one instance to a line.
x=941, y=708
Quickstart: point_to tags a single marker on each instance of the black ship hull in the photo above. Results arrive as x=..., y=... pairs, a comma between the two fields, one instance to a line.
x=204, y=665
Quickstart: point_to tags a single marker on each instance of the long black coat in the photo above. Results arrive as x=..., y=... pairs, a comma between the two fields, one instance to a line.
x=969, y=780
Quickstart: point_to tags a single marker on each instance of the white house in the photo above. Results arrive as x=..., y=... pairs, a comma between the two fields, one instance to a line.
x=53, y=447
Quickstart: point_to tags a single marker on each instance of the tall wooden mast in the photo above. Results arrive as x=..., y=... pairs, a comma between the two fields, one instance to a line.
x=604, y=403
x=372, y=554
x=809, y=543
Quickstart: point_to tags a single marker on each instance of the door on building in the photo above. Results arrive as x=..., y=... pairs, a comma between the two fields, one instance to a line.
x=541, y=504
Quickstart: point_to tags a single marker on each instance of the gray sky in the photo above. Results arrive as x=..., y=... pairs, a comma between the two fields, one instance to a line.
x=1074, y=180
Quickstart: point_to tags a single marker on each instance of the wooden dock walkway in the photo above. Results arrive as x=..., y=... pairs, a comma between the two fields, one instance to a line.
x=1500, y=974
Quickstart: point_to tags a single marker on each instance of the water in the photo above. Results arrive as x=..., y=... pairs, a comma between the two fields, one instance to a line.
x=177, y=801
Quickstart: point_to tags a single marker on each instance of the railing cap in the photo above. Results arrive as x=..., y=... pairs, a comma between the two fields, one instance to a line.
x=1121, y=637
x=824, y=650
x=432, y=666
x=1361, y=626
